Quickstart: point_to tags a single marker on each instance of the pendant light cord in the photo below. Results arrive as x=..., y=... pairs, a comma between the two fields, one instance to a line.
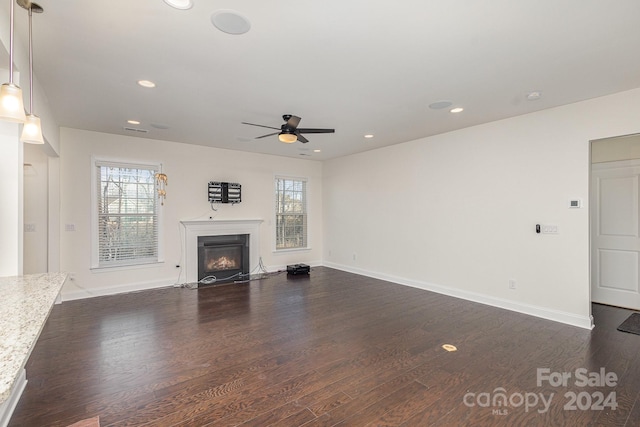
x=30, y=61
x=11, y=46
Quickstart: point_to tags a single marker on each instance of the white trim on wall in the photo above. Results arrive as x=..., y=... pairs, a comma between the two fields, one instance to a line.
x=308, y=207
x=70, y=294
x=95, y=267
x=585, y=322
x=193, y=229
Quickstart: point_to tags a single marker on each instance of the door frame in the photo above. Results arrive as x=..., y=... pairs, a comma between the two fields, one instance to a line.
x=590, y=190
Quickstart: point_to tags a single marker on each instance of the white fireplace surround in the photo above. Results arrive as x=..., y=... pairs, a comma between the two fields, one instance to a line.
x=194, y=229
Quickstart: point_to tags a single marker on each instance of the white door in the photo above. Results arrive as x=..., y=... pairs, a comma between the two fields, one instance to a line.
x=615, y=237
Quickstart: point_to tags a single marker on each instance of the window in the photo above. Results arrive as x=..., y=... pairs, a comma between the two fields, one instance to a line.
x=291, y=213
x=126, y=219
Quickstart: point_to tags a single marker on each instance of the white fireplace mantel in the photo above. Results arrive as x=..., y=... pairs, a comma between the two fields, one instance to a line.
x=212, y=227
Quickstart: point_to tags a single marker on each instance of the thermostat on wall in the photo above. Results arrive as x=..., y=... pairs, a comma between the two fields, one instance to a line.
x=575, y=203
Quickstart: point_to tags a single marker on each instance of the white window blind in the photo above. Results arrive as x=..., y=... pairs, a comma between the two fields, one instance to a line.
x=127, y=216
x=291, y=213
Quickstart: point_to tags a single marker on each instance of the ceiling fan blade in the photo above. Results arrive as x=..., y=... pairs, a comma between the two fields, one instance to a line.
x=293, y=121
x=262, y=126
x=264, y=136
x=301, y=138
x=310, y=130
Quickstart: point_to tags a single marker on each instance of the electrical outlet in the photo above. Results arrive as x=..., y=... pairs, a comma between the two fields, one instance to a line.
x=512, y=284
x=354, y=256
x=549, y=229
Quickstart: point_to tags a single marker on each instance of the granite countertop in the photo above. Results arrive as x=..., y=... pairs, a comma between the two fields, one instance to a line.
x=25, y=304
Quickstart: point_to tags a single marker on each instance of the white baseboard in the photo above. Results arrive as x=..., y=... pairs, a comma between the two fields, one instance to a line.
x=70, y=295
x=272, y=268
x=585, y=322
x=8, y=406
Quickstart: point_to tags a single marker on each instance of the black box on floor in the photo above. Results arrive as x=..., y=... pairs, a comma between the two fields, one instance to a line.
x=298, y=269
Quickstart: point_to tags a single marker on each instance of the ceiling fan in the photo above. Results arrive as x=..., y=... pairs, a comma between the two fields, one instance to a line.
x=289, y=132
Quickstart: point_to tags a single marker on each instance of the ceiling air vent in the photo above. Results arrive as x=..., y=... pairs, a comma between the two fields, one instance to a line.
x=135, y=130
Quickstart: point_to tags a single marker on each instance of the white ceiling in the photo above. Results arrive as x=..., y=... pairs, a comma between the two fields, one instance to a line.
x=359, y=66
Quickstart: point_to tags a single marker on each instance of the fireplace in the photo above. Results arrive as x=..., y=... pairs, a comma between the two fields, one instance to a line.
x=193, y=229
x=223, y=258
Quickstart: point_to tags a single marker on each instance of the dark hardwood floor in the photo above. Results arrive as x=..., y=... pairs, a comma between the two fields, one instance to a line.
x=330, y=349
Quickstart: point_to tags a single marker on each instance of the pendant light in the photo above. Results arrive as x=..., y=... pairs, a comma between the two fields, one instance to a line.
x=11, y=104
x=32, y=129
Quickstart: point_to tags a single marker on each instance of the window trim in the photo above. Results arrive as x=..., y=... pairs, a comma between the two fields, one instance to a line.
x=95, y=259
x=308, y=214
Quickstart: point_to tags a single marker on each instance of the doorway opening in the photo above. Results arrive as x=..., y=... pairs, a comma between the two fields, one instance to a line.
x=615, y=221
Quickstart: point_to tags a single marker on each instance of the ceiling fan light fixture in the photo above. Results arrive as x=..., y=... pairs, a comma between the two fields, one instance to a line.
x=289, y=132
x=287, y=138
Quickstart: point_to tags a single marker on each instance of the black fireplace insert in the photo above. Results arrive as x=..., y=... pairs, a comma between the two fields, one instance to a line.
x=223, y=258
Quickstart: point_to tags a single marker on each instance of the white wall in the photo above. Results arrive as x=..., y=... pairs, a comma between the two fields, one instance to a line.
x=11, y=184
x=53, y=202
x=456, y=213
x=189, y=168
x=36, y=209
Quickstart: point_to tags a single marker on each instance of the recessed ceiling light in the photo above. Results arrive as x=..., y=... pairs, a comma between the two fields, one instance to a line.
x=317, y=151
x=457, y=110
x=439, y=105
x=180, y=4
x=133, y=122
x=230, y=22
x=368, y=136
x=146, y=83
x=532, y=96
